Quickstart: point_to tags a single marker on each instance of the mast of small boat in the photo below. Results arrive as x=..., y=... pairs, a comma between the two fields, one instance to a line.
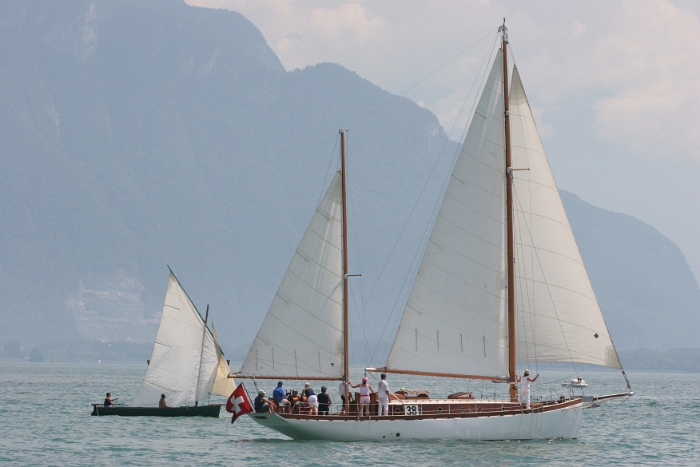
x=346, y=319
x=201, y=356
x=509, y=222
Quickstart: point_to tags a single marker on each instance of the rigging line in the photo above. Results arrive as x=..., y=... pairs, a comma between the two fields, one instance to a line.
x=512, y=53
x=420, y=81
x=443, y=190
x=549, y=292
x=358, y=318
x=530, y=301
x=484, y=65
x=524, y=296
x=354, y=228
x=357, y=251
x=420, y=195
x=330, y=161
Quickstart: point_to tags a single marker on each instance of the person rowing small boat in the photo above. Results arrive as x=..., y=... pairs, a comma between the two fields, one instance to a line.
x=109, y=401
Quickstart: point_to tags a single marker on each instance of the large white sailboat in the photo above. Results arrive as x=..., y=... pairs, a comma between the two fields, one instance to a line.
x=501, y=282
x=187, y=365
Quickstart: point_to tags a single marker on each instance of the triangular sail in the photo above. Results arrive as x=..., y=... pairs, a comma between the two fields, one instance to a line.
x=455, y=318
x=559, y=319
x=223, y=385
x=302, y=334
x=182, y=342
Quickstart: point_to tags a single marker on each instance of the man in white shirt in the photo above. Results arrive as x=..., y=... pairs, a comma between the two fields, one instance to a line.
x=525, y=381
x=383, y=396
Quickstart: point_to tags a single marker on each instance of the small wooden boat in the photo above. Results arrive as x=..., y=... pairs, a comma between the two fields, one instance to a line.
x=187, y=365
x=210, y=410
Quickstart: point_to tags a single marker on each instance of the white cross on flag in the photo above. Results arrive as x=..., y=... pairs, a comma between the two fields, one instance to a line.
x=238, y=403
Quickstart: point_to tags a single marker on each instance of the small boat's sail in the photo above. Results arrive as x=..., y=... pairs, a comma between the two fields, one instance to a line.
x=455, y=318
x=302, y=334
x=559, y=319
x=185, y=356
x=223, y=385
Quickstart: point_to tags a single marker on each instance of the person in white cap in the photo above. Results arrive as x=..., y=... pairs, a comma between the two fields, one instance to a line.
x=525, y=381
x=261, y=404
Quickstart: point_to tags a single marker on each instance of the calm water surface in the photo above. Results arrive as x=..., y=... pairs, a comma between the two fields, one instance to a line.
x=45, y=420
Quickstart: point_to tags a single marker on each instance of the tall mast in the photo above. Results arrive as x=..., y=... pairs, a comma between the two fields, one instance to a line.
x=346, y=320
x=509, y=221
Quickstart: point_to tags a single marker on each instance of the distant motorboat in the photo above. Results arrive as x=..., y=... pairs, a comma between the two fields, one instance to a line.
x=575, y=383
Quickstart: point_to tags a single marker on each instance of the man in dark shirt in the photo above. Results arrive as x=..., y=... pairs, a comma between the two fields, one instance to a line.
x=324, y=401
x=109, y=402
x=161, y=403
x=261, y=404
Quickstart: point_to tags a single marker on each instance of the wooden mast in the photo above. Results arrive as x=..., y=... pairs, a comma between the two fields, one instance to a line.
x=346, y=319
x=509, y=223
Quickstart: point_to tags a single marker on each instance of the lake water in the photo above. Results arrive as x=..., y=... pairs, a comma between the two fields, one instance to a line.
x=45, y=420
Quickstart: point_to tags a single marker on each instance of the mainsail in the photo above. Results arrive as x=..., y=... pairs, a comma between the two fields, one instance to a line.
x=559, y=319
x=302, y=334
x=185, y=357
x=455, y=318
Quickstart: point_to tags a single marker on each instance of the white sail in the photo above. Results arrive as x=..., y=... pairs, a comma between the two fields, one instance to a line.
x=455, y=318
x=182, y=343
x=302, y=334
x=558, y=318
x=223, y=385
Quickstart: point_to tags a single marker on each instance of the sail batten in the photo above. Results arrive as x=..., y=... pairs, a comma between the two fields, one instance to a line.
x=302, y=333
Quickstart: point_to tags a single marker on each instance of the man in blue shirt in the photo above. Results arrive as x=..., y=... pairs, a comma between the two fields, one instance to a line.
x=279, y=396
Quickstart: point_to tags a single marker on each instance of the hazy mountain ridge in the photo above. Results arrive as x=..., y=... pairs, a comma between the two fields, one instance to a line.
x=139, y=134
x=644, y=285
x=174, y=136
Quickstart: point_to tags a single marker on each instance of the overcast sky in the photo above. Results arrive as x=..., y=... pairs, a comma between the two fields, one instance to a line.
x=615, y=85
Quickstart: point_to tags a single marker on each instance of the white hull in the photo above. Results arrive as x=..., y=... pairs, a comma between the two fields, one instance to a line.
x=561, y=423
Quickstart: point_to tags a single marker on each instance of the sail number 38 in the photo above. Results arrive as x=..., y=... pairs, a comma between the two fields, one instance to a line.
x=411, y=409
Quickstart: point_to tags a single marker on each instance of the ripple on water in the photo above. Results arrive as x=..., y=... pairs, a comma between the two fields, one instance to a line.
x=46, y=421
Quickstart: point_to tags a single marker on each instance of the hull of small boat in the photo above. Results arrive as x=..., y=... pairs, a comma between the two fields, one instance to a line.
x=564, y=422
x=212, y=410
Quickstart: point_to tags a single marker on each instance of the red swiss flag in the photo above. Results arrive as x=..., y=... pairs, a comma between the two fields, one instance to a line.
x=238, y=403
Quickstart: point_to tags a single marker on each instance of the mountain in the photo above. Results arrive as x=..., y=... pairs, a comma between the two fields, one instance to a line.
x=681, y=360
x=645, y=287
x=135, y=135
